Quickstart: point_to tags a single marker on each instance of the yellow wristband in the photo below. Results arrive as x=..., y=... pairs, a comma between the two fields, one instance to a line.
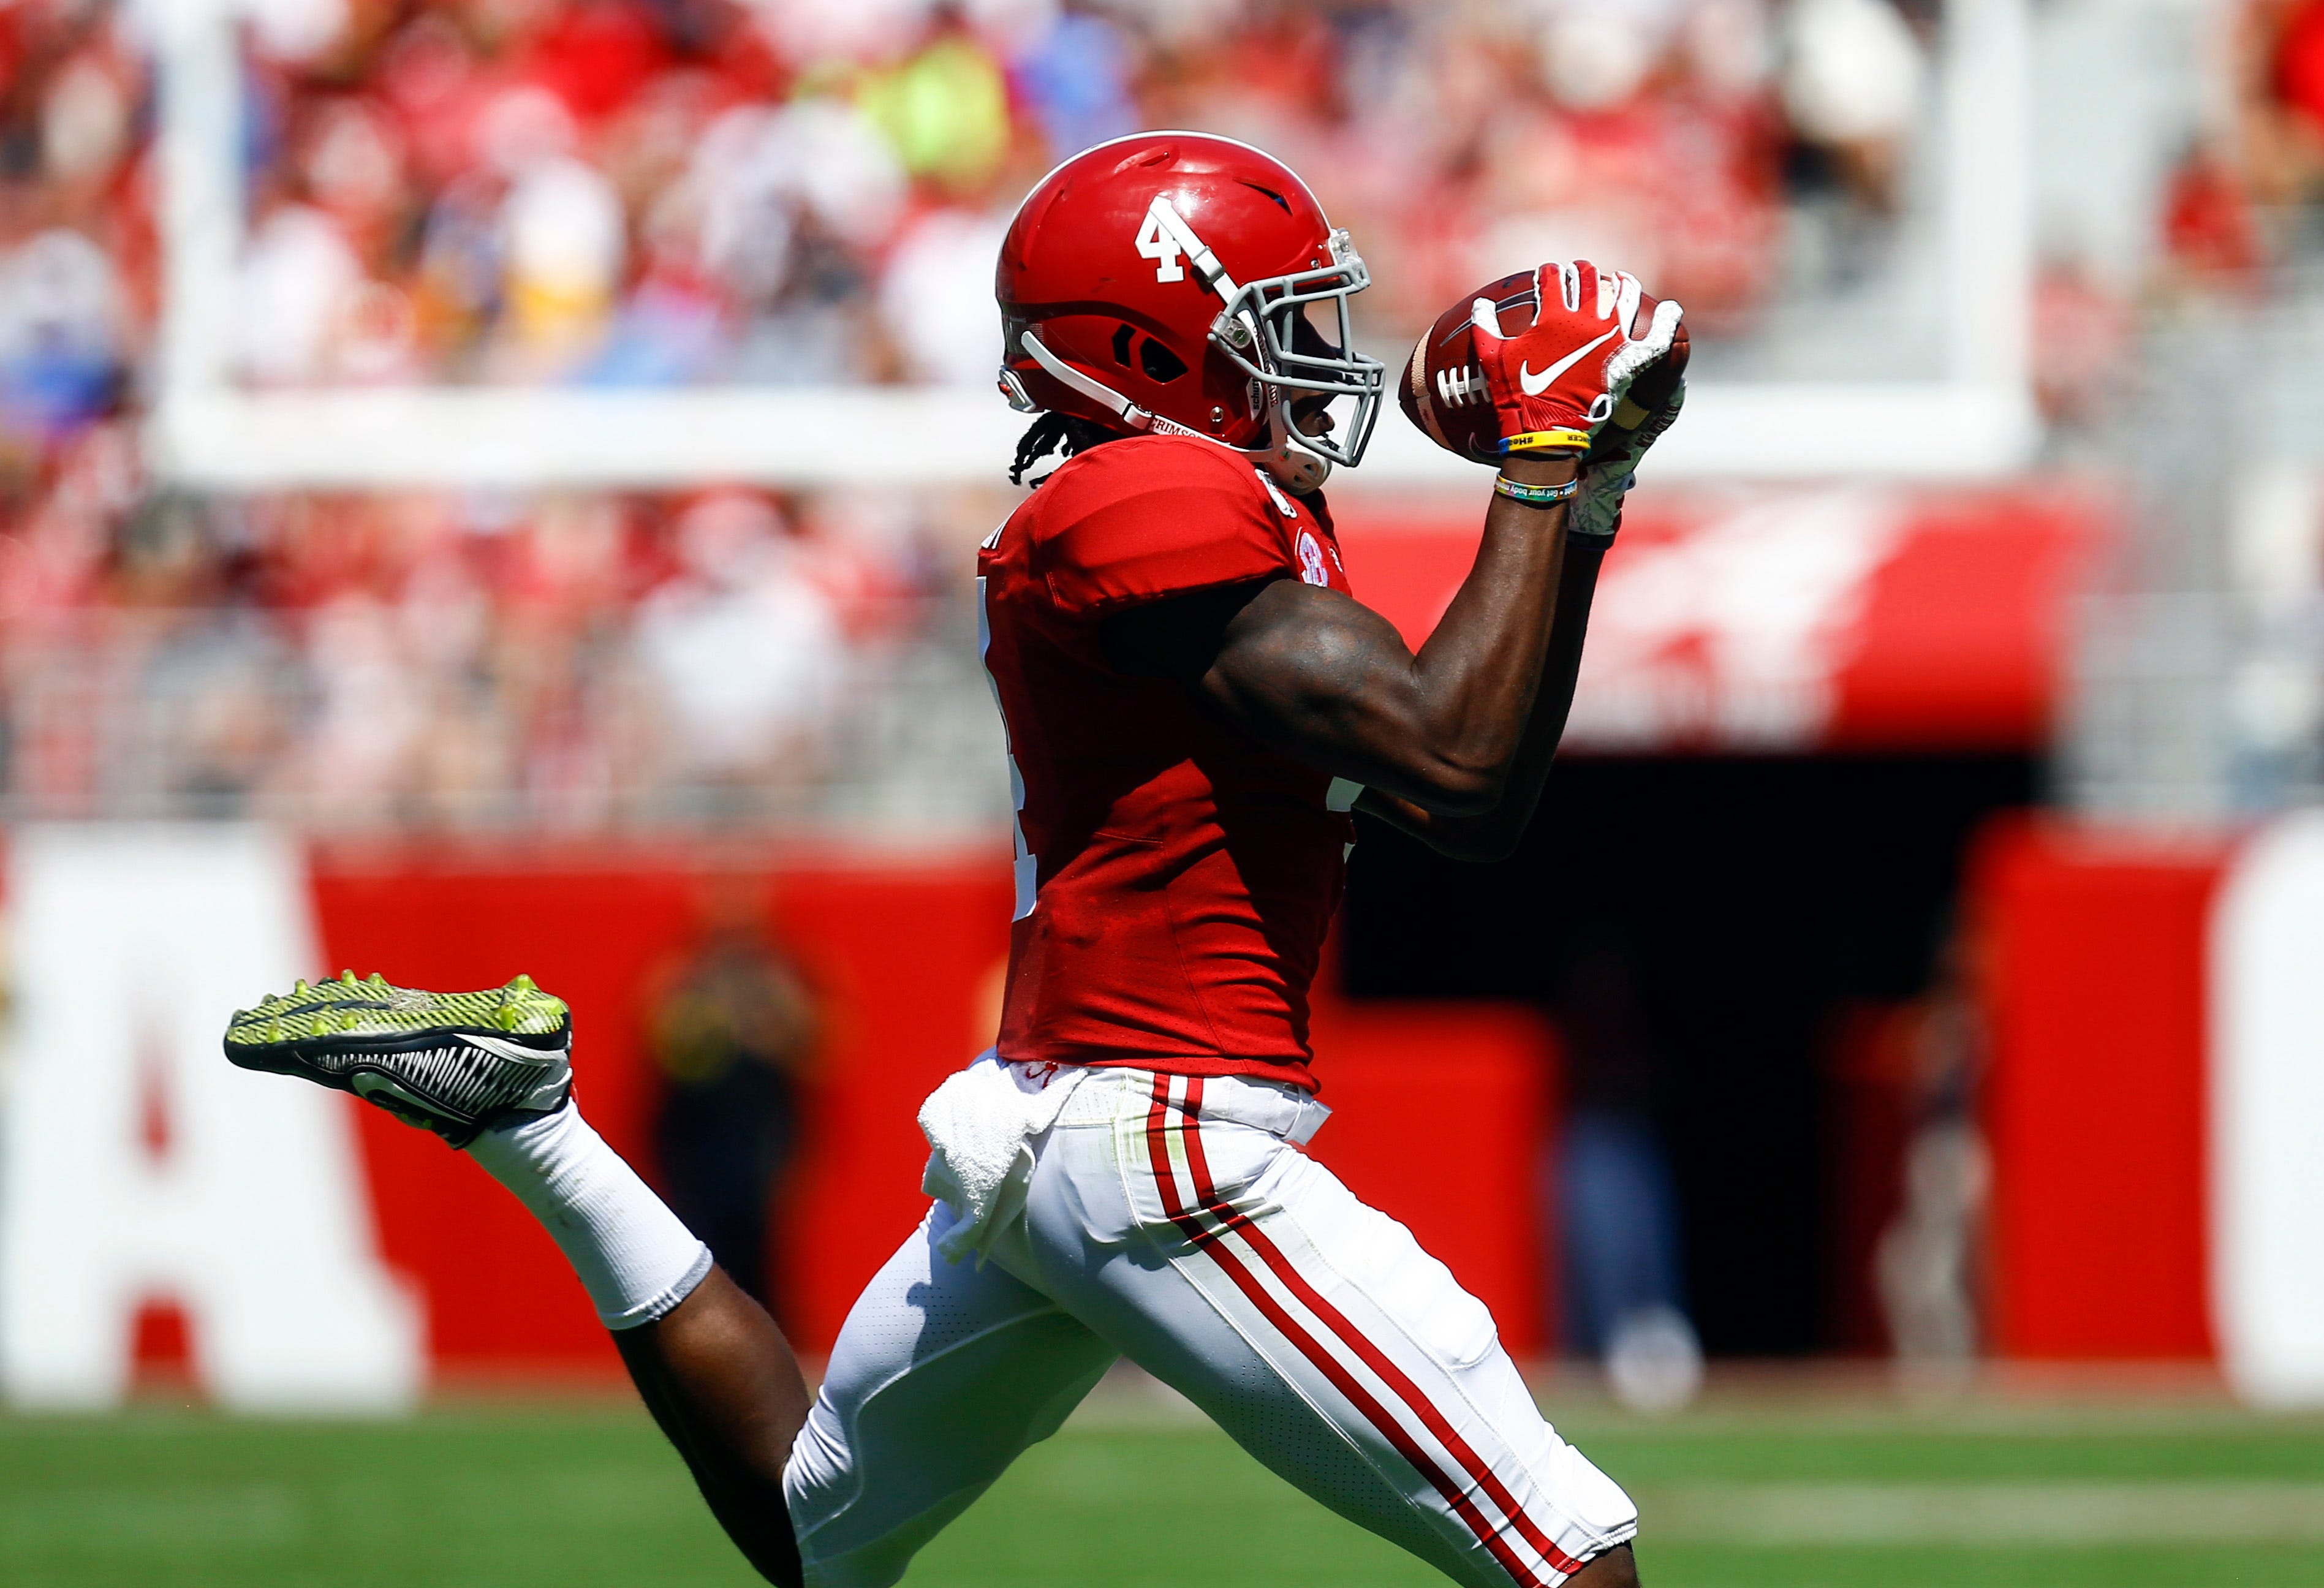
x=1558, y=440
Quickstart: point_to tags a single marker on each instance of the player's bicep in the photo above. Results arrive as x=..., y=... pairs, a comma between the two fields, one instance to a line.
x=1177, y=638
x=1304, y=671
x=1305, y=662
x=1316, y=675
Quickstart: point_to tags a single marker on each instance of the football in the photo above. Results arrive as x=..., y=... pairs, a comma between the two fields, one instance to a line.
x=1443, y=390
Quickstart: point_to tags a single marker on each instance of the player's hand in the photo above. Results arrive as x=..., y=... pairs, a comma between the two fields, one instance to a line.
x=1555, y=381
x=1596, y=512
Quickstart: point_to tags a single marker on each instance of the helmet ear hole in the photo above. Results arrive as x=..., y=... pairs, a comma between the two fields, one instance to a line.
x=1122, y=345
x=1159, y=362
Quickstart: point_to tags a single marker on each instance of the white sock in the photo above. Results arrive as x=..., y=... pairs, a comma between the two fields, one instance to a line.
x=633, y=1256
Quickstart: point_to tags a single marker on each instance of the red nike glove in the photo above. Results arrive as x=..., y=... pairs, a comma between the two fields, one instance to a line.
x=1556, y=380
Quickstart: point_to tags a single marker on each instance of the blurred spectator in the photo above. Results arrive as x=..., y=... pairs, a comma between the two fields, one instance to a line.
x=1075, y=78
x=2081, y=345
x=370, y=714
x=2282, y=90
x=62, y=345
x=744, y=650
x=211, y=691
x=940, y=315
x=789, y=205
x=2210, y=236
x=1596, y=55
x=1852, y=85
x=561, y=236
x=1624, y=1284
x=944, y=110
x=732, y=1027
x=300, y=281
x=2257, y=198
x=1930, y=1256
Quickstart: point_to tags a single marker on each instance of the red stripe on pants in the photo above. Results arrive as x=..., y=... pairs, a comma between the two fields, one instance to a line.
x=1329, y=1366
x=1380, y=1362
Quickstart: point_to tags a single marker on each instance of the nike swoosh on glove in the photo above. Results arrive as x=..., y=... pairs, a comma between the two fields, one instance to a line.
x=1555, y=380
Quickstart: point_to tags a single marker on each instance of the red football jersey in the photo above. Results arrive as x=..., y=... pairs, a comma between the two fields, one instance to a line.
x=1174, y=877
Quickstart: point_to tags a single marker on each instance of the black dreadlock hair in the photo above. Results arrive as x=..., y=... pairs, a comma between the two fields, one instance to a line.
x=1051, y=431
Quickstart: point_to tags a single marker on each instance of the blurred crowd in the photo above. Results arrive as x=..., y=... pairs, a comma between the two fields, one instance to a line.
x=791, y=191
x=783, y=191
x=798, y=192
x=556, y=663
x=802, y=192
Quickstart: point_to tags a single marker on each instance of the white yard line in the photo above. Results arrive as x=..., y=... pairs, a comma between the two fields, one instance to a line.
x=1985, y=1513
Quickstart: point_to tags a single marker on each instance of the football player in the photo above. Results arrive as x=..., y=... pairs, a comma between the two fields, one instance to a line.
x=1193, y=703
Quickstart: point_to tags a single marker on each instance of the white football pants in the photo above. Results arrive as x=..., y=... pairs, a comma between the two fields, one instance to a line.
x=1177, y=1222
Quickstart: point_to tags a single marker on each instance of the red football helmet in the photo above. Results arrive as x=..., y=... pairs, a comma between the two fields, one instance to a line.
x=1162, y=281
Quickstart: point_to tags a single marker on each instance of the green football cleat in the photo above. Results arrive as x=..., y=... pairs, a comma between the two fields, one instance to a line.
x=454, y=1063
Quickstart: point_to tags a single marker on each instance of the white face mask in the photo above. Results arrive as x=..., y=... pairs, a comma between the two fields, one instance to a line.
x=1260, y=331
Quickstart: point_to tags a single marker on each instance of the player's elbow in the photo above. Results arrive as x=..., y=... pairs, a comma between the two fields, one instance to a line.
x=1454, y=785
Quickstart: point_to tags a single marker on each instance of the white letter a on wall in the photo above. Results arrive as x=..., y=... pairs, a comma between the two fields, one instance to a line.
x=2267, y=1115
x=132, y=946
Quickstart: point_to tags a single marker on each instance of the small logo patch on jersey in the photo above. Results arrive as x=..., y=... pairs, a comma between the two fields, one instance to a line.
x=1311, y=560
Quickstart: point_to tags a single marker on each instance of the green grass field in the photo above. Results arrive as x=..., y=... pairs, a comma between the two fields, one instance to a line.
x=1764, y=1491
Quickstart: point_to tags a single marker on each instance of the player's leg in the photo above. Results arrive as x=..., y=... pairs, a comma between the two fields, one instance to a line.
x=723, y=1384
x=1315, y=1331
x=489, y=1071
x=942, y=1374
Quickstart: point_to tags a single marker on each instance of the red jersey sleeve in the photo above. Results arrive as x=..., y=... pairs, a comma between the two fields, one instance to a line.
x=1138, y=520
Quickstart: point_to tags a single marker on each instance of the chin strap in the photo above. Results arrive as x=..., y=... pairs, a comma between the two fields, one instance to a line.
x=1298, y=471
x=1132, y=416
x=1097, y=392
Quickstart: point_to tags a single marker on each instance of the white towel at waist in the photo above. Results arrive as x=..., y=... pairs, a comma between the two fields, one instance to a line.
x=980, y=1124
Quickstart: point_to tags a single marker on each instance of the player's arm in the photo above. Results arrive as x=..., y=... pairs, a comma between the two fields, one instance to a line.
x=1446, y=737
x=1591, y=523
x=1452, y=743
x=1495, y=834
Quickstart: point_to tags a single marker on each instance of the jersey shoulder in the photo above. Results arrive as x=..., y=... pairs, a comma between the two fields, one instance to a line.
x=1151, y=516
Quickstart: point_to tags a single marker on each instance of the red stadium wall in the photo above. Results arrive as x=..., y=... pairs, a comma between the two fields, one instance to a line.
x=1946, y=637
x=1440, y=1111
x=1440, y=1116
x=2095, y=968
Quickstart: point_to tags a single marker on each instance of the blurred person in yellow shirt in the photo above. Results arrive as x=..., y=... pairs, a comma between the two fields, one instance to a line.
x=733, y=1027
